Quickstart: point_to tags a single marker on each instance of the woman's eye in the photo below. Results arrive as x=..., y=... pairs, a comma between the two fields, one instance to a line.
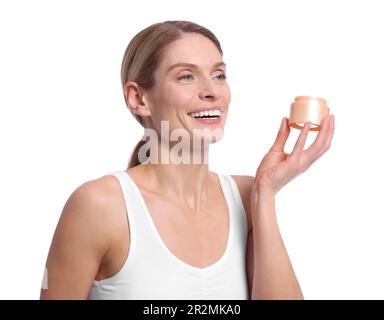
x=223, y=76
x=183, y=77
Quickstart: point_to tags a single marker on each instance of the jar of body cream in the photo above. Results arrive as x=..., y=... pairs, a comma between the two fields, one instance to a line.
x=306, y=108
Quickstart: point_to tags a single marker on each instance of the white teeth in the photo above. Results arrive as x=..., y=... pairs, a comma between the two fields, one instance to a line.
x=216, y=112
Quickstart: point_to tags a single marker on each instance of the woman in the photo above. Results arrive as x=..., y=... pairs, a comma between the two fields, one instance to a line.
x=164, y=229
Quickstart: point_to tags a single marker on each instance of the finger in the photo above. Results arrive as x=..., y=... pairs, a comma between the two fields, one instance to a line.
x=282, y=136
x=322, y=141
x=300, y=143
x=331, y=130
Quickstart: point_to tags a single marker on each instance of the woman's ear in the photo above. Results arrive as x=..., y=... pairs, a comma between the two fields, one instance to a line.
x=135, y=99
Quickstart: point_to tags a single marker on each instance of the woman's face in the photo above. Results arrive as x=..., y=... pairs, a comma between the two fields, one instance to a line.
x=180, y=90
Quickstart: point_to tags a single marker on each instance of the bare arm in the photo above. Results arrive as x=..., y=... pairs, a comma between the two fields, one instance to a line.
x=273, y=275
x=78, y=245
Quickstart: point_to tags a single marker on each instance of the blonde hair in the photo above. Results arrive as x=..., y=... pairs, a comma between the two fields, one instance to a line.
x=144, y=53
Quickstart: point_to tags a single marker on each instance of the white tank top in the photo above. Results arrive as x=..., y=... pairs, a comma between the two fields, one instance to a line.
x=152, y=272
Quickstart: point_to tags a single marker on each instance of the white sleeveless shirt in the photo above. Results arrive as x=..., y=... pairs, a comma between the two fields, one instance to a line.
x=152, y=272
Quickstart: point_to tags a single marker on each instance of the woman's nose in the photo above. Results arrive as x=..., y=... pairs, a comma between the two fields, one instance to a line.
x=209, y=91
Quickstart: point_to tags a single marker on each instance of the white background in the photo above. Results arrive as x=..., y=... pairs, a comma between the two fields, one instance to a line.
x=63, y=121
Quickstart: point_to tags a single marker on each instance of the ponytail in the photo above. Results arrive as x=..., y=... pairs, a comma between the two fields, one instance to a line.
x=134, y=160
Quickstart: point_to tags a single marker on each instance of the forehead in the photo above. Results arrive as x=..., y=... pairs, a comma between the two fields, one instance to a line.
x=192, y=48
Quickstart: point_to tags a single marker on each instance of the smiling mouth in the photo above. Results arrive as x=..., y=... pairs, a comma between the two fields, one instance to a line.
x=204, y=117
x=211, y=114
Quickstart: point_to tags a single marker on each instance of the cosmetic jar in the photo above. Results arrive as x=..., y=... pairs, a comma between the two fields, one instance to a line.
x=306, y=108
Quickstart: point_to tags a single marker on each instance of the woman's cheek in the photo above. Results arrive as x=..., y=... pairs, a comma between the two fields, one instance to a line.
x=183, y=98
x=228, y=94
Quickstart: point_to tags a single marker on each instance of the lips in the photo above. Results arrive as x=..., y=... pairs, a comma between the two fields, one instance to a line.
x=207, y=109
x=214, y=120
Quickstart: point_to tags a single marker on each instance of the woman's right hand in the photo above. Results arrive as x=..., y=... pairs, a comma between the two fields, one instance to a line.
x=278, y=168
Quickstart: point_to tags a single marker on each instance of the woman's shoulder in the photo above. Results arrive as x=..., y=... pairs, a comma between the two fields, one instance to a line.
x=98, y=191
x=84, y=234
x=97, y=200
x=243, y=180
x=244, y=184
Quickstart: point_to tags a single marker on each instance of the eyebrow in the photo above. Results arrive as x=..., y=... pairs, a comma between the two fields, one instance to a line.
x=193, y=66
